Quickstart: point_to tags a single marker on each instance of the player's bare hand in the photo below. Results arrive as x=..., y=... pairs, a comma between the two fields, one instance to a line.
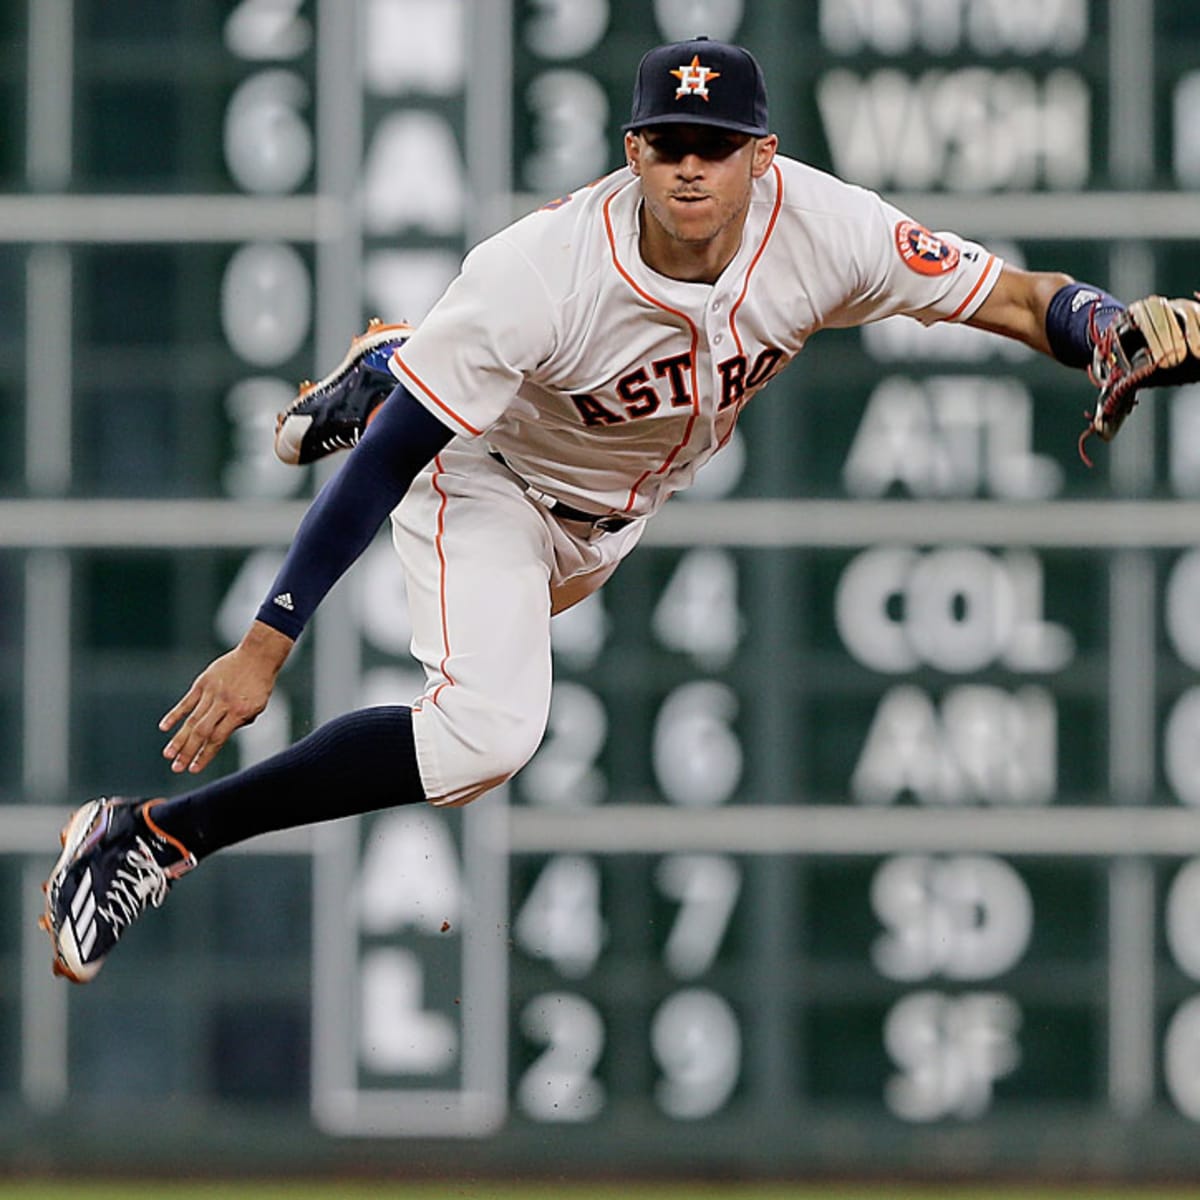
x=229, y=693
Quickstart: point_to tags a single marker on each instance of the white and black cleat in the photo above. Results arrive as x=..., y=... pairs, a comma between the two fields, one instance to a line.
x=115, y=863
x=333, y=413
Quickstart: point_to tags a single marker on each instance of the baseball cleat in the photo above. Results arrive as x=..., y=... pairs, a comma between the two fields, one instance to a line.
x=333, y=413
x=115, y=863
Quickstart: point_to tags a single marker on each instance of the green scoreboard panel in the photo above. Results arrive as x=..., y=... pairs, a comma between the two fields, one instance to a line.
x=863, y=836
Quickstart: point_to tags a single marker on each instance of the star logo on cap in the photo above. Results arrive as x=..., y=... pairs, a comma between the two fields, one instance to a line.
x=693, y=78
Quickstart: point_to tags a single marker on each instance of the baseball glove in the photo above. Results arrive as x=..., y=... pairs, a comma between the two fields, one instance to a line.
x=1154, y=343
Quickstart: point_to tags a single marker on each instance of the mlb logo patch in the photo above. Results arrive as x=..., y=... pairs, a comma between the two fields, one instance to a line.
x=924, y=252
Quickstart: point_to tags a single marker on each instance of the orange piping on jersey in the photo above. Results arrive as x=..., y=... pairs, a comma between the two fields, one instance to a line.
x=757, y=255
x=687, y=433
x=987, y=270
x=429, y=392
x=746, y=288
x=439, y=543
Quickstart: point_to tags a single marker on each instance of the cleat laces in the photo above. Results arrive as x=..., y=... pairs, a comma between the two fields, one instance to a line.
x=140, y=882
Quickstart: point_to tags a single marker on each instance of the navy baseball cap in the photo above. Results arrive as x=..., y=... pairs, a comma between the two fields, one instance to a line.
x=700, y=82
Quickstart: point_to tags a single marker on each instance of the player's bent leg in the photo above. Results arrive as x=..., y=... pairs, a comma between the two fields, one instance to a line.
x=521, y=741
x=116, y=862
x=477, y=558
x=475, y=729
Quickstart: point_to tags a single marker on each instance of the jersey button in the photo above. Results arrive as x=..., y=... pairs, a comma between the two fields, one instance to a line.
x=718, y=339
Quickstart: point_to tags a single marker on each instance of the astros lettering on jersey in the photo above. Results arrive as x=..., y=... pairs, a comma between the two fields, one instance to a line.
x=607, y=384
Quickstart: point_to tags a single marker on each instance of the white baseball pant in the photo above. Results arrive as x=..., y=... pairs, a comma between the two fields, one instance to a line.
x=485, y=567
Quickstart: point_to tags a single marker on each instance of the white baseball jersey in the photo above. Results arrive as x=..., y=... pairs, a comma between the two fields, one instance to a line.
x=606, y=384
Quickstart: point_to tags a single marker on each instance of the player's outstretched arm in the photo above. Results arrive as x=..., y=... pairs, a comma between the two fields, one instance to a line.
x=338, y=527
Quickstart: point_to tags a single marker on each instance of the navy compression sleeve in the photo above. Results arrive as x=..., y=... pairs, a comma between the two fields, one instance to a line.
x=339, y=525
x=1069, y=321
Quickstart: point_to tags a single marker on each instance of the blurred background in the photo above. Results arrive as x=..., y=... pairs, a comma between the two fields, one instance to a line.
x=861, y=839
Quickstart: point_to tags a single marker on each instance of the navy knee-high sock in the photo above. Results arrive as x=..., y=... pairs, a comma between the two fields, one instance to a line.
x=357, y=763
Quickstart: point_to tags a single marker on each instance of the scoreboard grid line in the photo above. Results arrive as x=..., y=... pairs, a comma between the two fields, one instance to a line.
x=1166, y=216
x=130, y=218
x=833, y=830
x=808, y=830
x=766, y=524
x=1161, y=216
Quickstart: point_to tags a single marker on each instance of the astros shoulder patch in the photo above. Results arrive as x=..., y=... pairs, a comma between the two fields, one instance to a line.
x=924, y=252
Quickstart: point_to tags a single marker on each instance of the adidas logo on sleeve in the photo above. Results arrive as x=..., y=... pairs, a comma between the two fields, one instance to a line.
x=284, y=601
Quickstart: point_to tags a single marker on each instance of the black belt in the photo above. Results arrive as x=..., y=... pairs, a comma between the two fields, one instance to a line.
x=605, y=522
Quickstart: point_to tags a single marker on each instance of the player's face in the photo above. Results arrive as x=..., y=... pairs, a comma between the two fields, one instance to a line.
x=696, y=182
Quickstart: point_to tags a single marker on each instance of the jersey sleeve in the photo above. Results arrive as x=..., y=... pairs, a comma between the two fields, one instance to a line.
x=907, y=269
x=492, y=327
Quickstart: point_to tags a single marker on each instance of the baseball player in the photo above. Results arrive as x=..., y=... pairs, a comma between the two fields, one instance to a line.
x=587, y=361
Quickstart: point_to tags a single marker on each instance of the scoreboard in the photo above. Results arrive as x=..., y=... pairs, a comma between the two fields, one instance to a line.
x=863, y=838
